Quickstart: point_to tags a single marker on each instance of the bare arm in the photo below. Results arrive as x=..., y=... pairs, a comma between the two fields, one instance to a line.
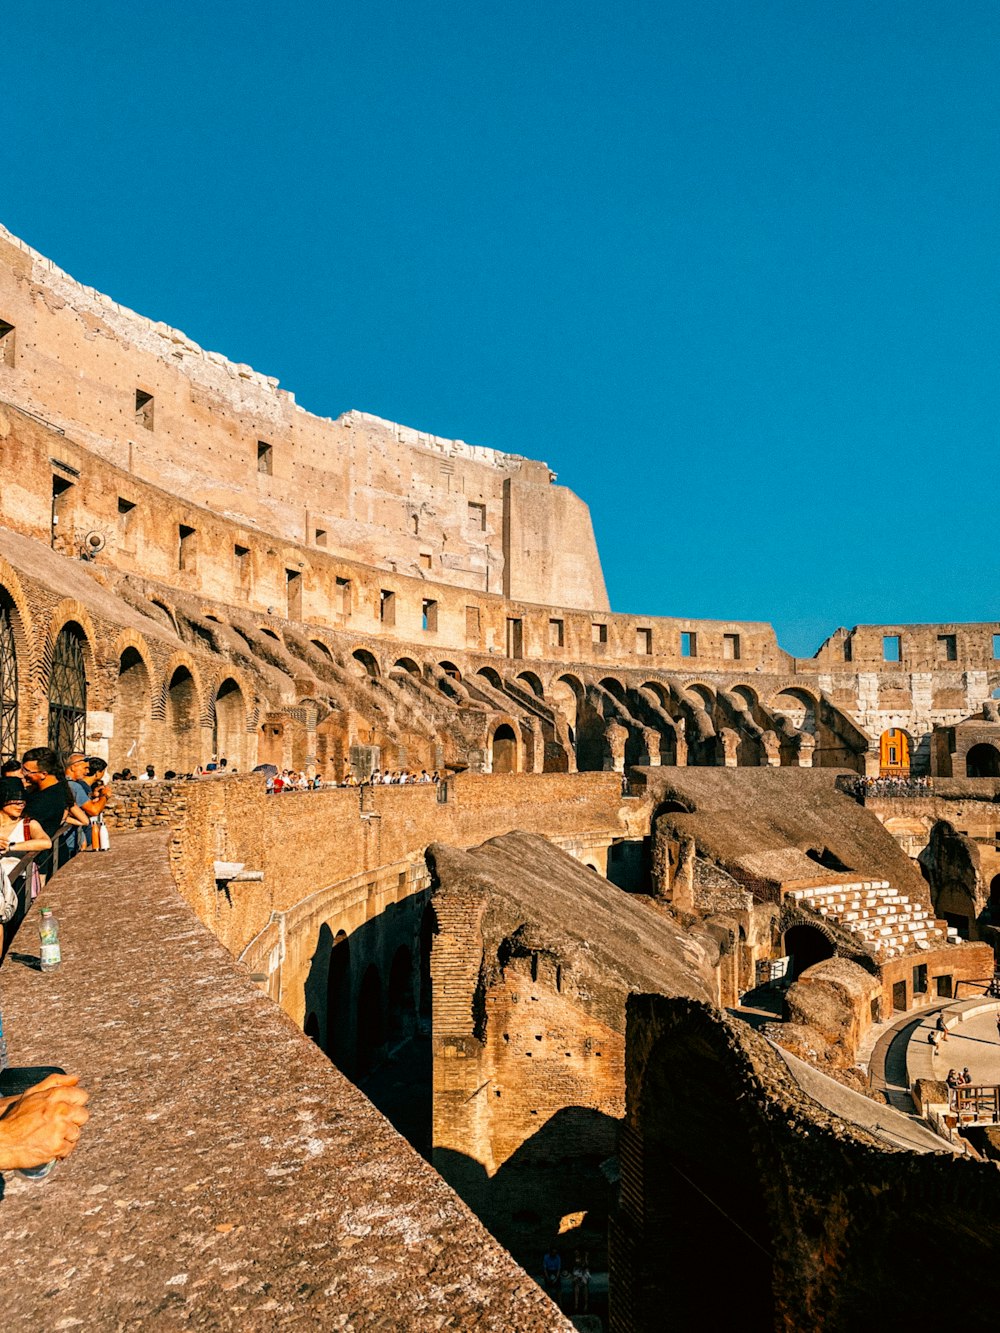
x=38, y=842
x=42, y=1124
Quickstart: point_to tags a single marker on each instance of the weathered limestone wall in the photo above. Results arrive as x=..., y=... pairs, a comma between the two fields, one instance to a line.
x=359, y=486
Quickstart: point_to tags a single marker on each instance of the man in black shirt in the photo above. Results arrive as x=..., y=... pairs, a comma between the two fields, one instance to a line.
x=50, y=800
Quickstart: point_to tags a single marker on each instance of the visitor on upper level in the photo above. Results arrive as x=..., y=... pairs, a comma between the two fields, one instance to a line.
x=50, y=801
x=148, y=776
x=78, y=778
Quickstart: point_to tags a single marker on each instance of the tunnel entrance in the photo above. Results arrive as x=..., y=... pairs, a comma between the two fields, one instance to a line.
x=806, y=945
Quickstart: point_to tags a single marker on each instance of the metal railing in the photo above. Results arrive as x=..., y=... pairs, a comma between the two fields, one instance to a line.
x=48, y=862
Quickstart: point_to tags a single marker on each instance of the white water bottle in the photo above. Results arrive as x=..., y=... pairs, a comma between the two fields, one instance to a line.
x=48, y=929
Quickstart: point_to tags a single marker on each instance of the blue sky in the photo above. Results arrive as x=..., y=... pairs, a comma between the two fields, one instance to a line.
x=730, y=268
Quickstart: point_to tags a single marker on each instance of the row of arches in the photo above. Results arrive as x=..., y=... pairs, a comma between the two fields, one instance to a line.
x=165, y=716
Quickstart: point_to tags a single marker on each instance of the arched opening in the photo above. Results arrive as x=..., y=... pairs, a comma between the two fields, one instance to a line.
x=321, y=647
x=68, y=692
x=338, y=1002
x=401, y=1009
x=806, y=945
x=181, y=740
x=704, y=696
x=132, y=713
x=229, y=732
x=614, y=687
x=798, y=707
x=567, y=693
x=503, y=750
x=660, y=690
x=488, y=674
x=8, y=678
x=166, y=612
x=450, y=669
x=533, y=683
x=745, y=693
x=695, y=1181
x=983, y=761
x=270, y=633
x=365, y=663
x=894, y=753
x=406, y=664
x=994, y=903
x=369, y=1044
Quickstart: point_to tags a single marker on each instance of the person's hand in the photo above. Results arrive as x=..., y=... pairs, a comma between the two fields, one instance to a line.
x=4, y=844
x=44, y=1123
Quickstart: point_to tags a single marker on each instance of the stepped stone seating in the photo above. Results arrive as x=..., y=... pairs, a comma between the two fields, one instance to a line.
x=877, y=913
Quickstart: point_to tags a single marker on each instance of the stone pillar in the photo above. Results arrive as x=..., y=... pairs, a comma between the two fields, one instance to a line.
x=770, y=750
x=616, y=736
x=651, y=740
x=729, y=743
x=807, y=745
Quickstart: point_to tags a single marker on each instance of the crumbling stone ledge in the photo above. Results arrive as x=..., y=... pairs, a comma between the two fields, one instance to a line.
x=230, y=1177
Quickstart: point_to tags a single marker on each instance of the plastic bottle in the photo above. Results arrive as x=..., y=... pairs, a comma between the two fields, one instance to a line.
x=48, y=929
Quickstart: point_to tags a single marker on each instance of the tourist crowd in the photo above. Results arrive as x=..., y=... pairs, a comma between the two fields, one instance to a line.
x=289, y=780
x=863, y=789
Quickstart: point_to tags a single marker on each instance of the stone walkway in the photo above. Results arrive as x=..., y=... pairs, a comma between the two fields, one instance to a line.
x=230, y=1178
x=973, y=1043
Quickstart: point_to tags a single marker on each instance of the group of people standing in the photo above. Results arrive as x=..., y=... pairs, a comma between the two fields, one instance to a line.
x=579, y=1275
x=42, y=792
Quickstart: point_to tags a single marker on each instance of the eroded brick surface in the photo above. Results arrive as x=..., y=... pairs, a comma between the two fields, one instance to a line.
x=230, y=1177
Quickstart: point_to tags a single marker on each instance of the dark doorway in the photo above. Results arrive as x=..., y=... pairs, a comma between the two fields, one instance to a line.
x=899, y=997
x=401, y=1007
x=68, y=692
x=504, y=750
x=806, y=945
x=983, y=761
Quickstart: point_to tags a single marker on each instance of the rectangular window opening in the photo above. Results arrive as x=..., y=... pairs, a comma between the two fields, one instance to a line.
x=425, y=559
x=947, y=648
x=644, y=642
x=731, y=647
x=320, y=536
x=848, y=649
x=387, y=607
x=890, y=648
x=920, y=979
x=293, y=586
x=186, y=538
x=557, y=634
x=689, y=643
x=6, y=343
x=241, y=554
x=429, y=616
x=472, y=622
x=598, y=634
x=125, y=506
x=515, y=637
x=344, y=593
x=265, y=458
x=996, y=645
x=144, y=409
x=477, y=516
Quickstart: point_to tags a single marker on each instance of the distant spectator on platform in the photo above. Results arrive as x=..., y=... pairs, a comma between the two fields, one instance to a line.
x=965, y=1076
x=954, y=1078
x=942, y=1026
x=149, y=775
x=552, y=1272
x=78, y=777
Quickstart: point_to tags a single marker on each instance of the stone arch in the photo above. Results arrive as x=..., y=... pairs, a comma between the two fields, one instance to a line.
x=450, y=669
x=799, y=706
x=704, y=694
x=182, y=719
x=533, y=683
x=408, y=665
x=748, y=695
x=16, y=666
x=983, y=761
x=613, y=686
x=132, y=733
x=70, y=668
x=320, y=646
x=661, y=691
x=493, y=677
x=567, y=693
x=269, y=632
x=370, y=1032
x=167, y=612
x=504, y=749
x=807, y=943
x=365, y=663
x=229, y=724
x=338, y=1002
x=401, y=1009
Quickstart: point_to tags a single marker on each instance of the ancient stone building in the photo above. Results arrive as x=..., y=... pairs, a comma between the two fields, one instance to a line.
x=192, y=567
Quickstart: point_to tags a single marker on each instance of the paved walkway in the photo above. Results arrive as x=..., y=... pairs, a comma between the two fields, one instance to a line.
x=230, y=1178
x=973, y=1043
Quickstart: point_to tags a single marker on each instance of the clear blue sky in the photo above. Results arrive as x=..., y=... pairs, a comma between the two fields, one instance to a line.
x=730, y=268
